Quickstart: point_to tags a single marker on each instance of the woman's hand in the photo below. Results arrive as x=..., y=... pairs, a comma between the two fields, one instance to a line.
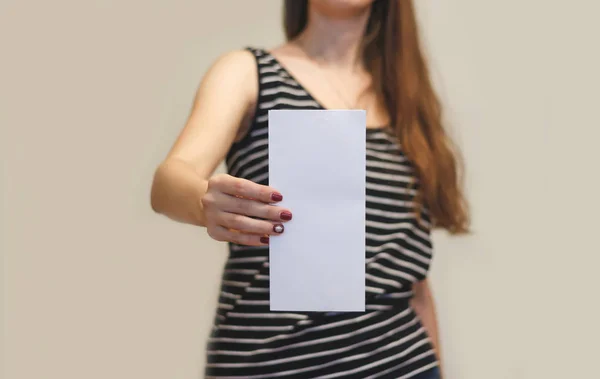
x=229, y=205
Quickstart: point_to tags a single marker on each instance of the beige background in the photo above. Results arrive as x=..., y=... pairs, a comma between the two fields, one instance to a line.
x=94, y=92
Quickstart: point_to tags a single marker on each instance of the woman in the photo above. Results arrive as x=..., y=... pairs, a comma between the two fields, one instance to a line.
x=357, y=54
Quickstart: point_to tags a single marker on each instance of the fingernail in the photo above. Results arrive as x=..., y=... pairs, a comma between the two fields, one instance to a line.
x=278, y=228
x=276, y=196
x=285, y=216
x=264, y=240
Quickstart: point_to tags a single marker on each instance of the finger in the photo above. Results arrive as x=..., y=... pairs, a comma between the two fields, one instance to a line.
x=248, y=225
x=252, y=208
x=221, y=233
x=247, y=189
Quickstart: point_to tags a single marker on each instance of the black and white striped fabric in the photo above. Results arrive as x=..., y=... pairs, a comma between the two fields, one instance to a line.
x=386, y=341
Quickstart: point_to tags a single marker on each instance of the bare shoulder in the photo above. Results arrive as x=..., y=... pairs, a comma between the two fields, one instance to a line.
x=225, y=96
x=235, y=68
x=236, y=59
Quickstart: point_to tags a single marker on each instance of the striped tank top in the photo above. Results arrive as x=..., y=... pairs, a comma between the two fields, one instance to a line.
x=388, y=339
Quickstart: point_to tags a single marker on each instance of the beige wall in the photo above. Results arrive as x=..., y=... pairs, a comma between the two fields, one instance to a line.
x=94, y=92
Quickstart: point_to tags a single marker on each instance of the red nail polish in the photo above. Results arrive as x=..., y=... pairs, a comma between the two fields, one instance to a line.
x=264, y=240
x=285, y=216
x=278, y=228
x=275, y=196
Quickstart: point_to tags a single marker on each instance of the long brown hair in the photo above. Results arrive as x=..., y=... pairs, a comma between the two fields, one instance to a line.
x=393, y=55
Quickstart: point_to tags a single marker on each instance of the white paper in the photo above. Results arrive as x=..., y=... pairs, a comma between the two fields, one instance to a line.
x=317, y=160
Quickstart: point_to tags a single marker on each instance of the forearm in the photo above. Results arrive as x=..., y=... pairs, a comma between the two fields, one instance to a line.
x=424, y=306
x=176, y=192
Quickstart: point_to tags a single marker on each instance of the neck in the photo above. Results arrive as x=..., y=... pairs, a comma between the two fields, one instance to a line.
x=334, y=41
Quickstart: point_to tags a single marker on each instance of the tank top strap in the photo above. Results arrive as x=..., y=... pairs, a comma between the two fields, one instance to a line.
x=262, y=56
x=267, y=70
x=277, y=89
x=257, y=133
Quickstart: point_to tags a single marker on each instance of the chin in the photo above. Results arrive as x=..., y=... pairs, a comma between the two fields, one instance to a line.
x=341, y=8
